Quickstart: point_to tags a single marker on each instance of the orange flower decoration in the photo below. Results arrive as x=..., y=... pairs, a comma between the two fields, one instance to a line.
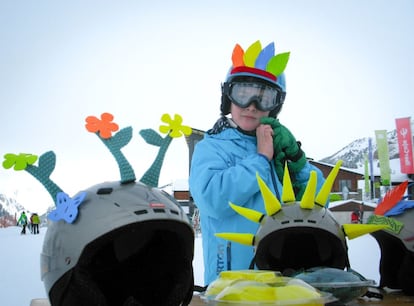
x=104, y=126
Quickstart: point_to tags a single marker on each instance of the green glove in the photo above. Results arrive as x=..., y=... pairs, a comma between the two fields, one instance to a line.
x=286, y=148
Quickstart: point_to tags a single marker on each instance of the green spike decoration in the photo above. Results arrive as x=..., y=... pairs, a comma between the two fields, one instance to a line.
x=151, y=177
x=174, y=129
x=42, y=172
x=103, y=128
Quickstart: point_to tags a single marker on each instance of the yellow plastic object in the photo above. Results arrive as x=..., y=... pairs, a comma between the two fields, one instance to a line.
x=257, y=287
x=355, y=230
x=226, y=278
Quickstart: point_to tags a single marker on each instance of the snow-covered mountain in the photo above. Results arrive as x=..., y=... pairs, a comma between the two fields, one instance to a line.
x=9, y=206
x=353, y=155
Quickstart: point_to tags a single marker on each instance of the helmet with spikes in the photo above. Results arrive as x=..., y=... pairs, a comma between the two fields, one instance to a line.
x=298, y=234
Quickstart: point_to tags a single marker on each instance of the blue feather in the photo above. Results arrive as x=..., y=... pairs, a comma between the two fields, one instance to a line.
x=264, y=56
x=400, y=208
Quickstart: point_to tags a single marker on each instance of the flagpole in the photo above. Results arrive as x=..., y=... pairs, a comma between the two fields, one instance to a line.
x=371, y=167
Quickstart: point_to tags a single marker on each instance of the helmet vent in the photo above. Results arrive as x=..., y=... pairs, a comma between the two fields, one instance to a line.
x=104, y=191
x=159, y=210
x=298, y=221
x=174, y=212
x=141, y=212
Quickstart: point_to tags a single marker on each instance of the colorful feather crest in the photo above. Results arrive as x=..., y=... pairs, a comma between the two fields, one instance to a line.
x=391, y=198
x=261, y=59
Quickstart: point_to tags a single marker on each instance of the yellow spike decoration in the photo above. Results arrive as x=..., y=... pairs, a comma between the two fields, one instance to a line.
x=272, y=204
x=248, y=213
x=356, y=230
x=242, y=238
x=308, y=198
x=323, y=195
x=320, y=217
x=288, y=195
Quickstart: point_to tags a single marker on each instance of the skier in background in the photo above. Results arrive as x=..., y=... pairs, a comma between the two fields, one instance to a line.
x=22, y=222
x=355, y=216
x=35, y=220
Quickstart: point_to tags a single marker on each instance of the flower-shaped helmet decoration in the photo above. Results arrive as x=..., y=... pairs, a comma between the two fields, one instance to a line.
x=137, y=235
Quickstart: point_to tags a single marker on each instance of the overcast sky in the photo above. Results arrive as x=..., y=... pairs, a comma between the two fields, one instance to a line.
x=351, y=71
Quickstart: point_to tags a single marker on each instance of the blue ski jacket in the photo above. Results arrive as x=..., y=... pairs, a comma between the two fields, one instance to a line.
x=223, y=169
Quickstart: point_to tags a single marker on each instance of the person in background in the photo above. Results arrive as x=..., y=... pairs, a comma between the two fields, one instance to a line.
x=22, y=222
x=35, y=221
x=355, y=216
x=247, y=139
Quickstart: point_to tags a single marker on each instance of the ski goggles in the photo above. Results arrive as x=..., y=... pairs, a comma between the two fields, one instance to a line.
x=265, y=97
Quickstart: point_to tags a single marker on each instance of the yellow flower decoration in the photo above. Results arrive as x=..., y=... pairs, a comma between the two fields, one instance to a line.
x=175, y=127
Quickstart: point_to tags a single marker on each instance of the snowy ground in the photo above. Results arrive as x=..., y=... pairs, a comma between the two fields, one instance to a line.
x=20, y=264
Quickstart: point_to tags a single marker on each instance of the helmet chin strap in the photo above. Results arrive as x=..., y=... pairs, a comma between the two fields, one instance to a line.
x=234, y=125
x=249, y=133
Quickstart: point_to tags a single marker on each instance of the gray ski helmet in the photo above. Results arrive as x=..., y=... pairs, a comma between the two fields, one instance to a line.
x=257, y=64
x=297, y=238
x=299, y=234
x=397, y=249
x=130, y=245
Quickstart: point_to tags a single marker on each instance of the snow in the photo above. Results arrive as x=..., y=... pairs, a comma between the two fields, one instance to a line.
x=20, y=264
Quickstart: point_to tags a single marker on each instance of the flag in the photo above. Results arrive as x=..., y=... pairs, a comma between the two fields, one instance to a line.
x=405, y=144
x=366, y=175
x=383, y=156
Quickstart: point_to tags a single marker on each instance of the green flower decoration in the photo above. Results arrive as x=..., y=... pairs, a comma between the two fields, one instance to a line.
x=175, y=127
x=20, y=162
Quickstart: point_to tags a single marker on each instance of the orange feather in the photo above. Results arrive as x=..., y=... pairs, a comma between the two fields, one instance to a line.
x=237, y=57
x=391, y=198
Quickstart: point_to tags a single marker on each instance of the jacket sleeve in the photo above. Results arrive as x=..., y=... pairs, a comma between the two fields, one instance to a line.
x=218, y=177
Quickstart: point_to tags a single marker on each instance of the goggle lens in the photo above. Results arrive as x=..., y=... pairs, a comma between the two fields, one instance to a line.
x=266, y=98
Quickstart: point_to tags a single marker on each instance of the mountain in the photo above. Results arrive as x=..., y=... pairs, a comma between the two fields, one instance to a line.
x=9, y=210
x=9, y=206
x=353, y=155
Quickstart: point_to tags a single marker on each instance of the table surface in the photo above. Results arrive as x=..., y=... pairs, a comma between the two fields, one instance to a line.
x=394, y=298
x=389, y=299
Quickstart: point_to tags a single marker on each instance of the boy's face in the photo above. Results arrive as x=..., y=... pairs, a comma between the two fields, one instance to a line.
x=247, y=118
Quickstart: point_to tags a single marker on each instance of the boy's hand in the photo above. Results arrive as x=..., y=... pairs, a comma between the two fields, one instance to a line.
x=285, y=146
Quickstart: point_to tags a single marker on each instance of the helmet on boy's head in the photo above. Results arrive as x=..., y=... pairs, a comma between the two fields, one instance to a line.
x=260, y=66
x=130, y=245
